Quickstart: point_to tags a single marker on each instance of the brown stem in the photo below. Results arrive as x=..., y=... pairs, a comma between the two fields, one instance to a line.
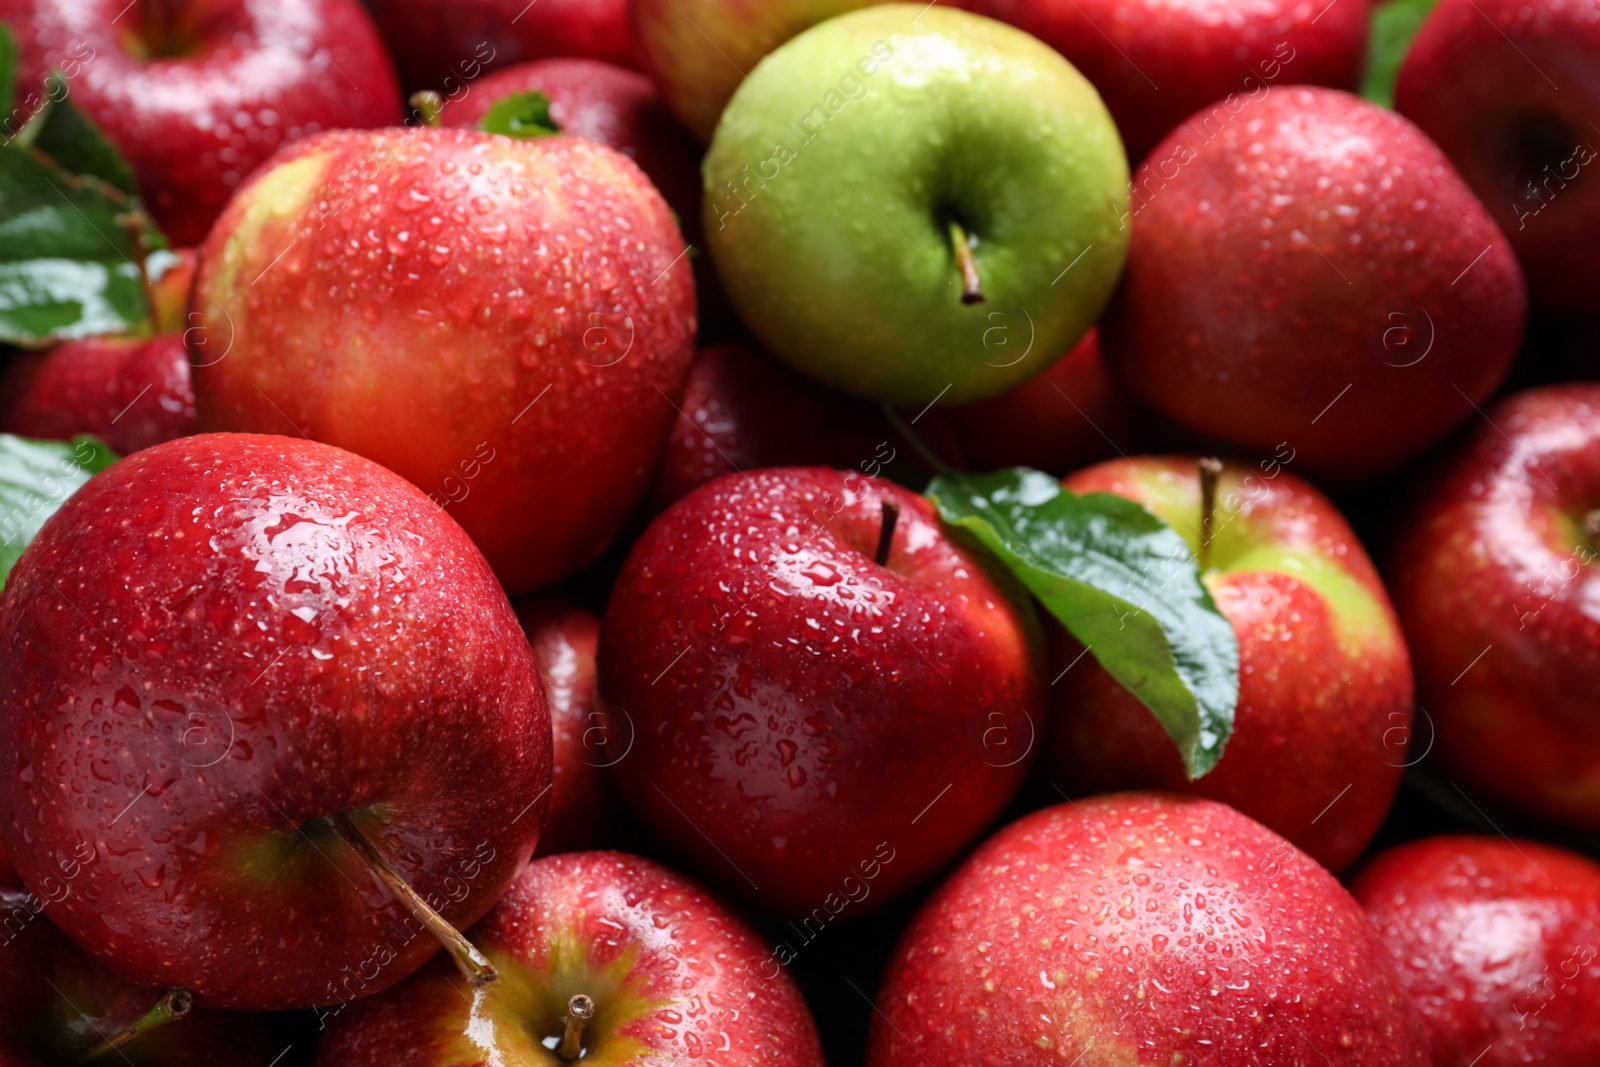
x=891, y=515
x=173, y=1005
x=971, y=284
x=580, y=1009
x=1210, y=471
x=427, y=104
x=473, y=966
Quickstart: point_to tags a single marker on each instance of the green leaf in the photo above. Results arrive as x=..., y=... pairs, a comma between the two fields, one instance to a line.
x=1394, y=24
x=520, y=115
x=74, y=142
x=36, y=478
x=1122, y=582
x=8, y=78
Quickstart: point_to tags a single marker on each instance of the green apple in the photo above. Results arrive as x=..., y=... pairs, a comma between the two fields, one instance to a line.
x=916, y=204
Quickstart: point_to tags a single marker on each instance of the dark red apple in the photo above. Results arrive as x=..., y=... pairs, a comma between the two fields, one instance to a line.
x=660, y=970
x=1496, y=942
x=59, y=1008
x=1313, y=275
x=1507, y=89
x=817, y=690
x=251, y=683
x=196, y=93
x=742, y=409
x=444, y=44
x=1142, y=929
x=1325, y=690
x=131, y=393
x=1158, y=62
x=584, y=803
x=1068, y=415
x=506, y=323
x=1494, y=581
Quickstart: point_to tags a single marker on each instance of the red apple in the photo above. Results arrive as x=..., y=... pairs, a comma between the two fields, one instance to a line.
x=742, y=409
x=1495, y=940
x=1314, y=275
x=669, y=974
x=1506, y=88
x=1325, y=689
x=196, y=93
x=443, y=44
x=584, y=803
x=1157, y=62
x=58, y=1006
x=242, y=677
x=1142, y=928
x=512, y=324
x=817, y=691
x=1068, y=415
x=131, y=393
x=1493, y=579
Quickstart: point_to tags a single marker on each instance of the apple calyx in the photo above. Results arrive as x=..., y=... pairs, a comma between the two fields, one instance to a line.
x=167, y=30
x=426, y=105
x=580, y=1009
x=173, y=1005
x=971, y=284
x=474, y=966
x=891, y=515
x=1210, y=471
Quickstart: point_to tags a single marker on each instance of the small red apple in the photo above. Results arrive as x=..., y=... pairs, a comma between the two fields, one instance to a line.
x=1313, y=274
x=822, y=684
x=252, y=686
x=1494, y=579
x=1497, y=942
x=1142, y=929
x=635, y=962
x=196, y=93
x=505, y=322
x=1325, y=690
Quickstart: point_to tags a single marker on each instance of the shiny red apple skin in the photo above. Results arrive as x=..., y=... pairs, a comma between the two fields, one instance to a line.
x=676, y=978
x=445, y=44
x=743, y=409
x=801, y=712
x=1069, y=415
x=585, y=806
x=56, y=1004
x=1325, y=687
x=1316, y=274
x=212, y=647
x=1142, y=928
x=1482, y=80
x=1159, y=62
x=1495, y=585
x=1495, y=941
x=257, y=75
x=513, y=324
x=129, y=392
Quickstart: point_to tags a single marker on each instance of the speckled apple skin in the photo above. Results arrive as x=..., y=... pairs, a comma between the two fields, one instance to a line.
x=1156, y=62
x=225, y=638
x=1466, y=81
x=1144, y=929
x=1492, y=580
x=676, y=978
x=1324, y=717
x=193, y=127
x=506, y=323
x=1313, y=272
x=1497, y=942
x=800, y=712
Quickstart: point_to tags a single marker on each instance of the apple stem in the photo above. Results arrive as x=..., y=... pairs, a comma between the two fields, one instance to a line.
x=474, y=967
x=891, y=515
x=173, y=1005
x=428, y=105
x=580, y=1009
x=971, y=285
x=1210, y=471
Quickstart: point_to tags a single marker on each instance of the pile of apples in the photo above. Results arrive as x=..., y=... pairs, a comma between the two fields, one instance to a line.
x=731, y=532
